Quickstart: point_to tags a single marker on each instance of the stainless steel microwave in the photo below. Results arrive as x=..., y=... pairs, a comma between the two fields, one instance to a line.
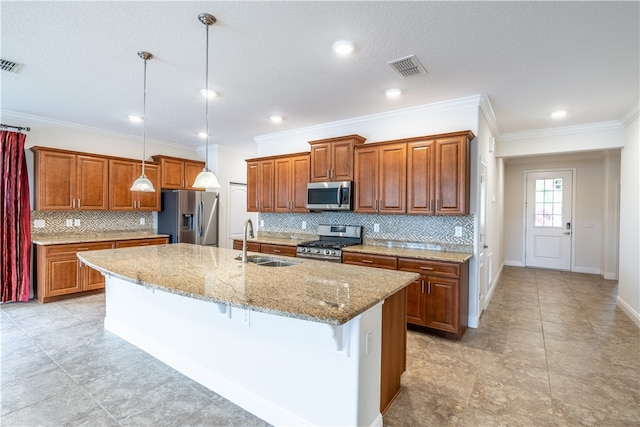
x=329, y=196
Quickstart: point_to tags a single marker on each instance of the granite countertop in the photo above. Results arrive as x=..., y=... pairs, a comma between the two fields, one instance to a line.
x=331, y=293
x=418, y=253
x=69, y=238
x=425, y=254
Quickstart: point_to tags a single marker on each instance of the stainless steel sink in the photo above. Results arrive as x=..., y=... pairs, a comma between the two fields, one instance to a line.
x=265, y=261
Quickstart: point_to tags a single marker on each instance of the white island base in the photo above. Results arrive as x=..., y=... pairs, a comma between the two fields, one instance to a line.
x=286, y=371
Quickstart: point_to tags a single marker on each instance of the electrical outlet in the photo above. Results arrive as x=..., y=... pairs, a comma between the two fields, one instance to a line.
x=458, y=231
x=261, y=223
x=69, y=223
x=304, y=225
x=376, y=228
x=76, y=223
x=142, y=221
x=38, y=223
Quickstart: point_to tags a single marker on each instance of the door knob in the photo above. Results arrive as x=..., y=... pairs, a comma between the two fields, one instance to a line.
x=566, y=233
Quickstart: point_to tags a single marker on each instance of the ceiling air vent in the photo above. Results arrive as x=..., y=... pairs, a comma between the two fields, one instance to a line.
x=408, y=66
x=10, y=66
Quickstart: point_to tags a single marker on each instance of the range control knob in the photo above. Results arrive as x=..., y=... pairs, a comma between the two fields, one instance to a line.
x=327, y=252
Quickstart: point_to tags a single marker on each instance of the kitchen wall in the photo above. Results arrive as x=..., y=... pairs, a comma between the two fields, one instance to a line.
x=629, y=274
x=435, y=230
x=91, y=221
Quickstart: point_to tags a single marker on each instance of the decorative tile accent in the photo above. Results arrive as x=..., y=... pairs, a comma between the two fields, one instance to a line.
x=404, y=228
x=91, y=221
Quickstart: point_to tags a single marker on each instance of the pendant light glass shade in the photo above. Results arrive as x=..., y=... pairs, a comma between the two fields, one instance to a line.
x=142, y=184
x=206, y=178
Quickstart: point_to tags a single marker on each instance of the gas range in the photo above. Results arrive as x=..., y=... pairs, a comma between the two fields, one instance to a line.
x=331, y=240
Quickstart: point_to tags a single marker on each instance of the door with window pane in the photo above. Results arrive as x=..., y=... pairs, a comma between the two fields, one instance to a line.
x=548, y=220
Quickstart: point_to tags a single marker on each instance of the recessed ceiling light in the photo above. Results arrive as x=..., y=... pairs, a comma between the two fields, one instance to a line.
x=135, y=119
x=559, y=114
x=212, y=93
x=393, y=92
x=276, y=118
x=343, y=47
x=202, y=134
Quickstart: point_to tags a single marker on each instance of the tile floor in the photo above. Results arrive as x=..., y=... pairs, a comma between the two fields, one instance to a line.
x=552, y=350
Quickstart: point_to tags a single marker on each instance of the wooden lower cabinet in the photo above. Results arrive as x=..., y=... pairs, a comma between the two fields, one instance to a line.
x=439, y=299
x=267, y=248
x=60, y=274
x=394, y=347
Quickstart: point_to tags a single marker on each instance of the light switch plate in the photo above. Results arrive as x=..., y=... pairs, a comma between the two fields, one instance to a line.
x=76, y=223
x=142, y=221
x=69, y=223
x=376, y=228
x=458, y=231
x=304, y=225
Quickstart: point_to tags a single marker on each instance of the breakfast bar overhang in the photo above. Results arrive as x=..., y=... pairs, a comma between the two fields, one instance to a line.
x=294, y=345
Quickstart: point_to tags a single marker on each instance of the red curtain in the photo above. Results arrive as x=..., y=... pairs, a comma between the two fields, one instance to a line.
x=15, y=235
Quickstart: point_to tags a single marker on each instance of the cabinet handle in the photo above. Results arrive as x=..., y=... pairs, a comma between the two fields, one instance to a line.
x=78, y=203
x=429, y=287
x=438, y=204
x=366, y=261
x=73, y=203
x=143, y=244
x=329, y=173
x=430, y=204
x=82, y=249
x=276, y=251
x=422, y=285
x=426, y=268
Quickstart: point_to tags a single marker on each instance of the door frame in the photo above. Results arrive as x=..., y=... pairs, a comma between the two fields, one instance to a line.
x=573, y=212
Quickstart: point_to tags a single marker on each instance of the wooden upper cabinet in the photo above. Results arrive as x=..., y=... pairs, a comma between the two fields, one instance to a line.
x=122, y=173
x=70, y=181
x=380, y=176
x=438, y=174
x=420, y=177
x=452, y=174
x=332, y=159
x=260, y=185
x=290, y=179
x=178, y=174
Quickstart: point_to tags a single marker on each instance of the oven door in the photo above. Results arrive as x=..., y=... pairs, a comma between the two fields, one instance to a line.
x=331, y=196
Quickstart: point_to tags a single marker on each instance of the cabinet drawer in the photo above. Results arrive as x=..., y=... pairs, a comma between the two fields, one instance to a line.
x=443, y=269
x=266, y=248
x=142, y=242
x=368, y=260
x=77, y=247
x=251, y=246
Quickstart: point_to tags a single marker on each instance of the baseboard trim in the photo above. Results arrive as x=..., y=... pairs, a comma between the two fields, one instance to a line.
x=610, y=276
x=629, y=311
x=513, y=263
x=586, y=270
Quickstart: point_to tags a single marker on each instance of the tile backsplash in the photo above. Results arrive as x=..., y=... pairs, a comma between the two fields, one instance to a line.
x=90, y=221
x=402, y=228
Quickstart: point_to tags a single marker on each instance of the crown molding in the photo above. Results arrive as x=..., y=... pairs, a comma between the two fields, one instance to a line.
x=566, y=130
x=631, y=114
x=489, y=115
x=74, y=126
x=418, y=111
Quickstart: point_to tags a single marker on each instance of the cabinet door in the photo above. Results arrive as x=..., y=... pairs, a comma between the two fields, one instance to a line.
x=452, y=187
x=252, y=186
x=92, y=188
x=149, y=201
x=265, y=186
x=56, y=181
x=141, y=242
x=443, y=309
x=62, y=274
x=282, y=184
x=416, y=303
x=277, y=249
x=420, y=172
x=366, y=185
x=191, y=171
x=88, y=278
x=122, y=173
x=172, y=173
x=299, y=180
x=369, y=260
x=341, y=167
x=392, y=178
x=320, y=162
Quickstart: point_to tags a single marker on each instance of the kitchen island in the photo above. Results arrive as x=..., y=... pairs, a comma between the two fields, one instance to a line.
x=295, y=345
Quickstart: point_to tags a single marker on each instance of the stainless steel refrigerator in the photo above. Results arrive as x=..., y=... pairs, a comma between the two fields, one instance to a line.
x=189, y=217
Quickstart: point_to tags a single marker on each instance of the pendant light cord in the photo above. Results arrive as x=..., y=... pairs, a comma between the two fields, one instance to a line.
x=144, y=117
x=206, y=107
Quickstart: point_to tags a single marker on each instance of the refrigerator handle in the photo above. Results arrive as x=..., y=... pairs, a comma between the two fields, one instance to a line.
x=200, y=218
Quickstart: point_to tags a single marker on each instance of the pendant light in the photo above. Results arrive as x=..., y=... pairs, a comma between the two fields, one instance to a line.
x=206, y=178
x=143, y=184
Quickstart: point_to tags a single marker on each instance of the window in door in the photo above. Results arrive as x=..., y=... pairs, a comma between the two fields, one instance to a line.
x=548, y=203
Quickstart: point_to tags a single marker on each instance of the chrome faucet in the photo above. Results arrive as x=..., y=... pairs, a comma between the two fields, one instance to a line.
x=247, y=225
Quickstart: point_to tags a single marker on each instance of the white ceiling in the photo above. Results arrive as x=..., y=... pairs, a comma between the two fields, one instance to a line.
x=530, y=58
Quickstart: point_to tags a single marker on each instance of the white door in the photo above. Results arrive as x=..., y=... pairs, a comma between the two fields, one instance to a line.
x=237, y=213
x=482, y=239
x=548, y=220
